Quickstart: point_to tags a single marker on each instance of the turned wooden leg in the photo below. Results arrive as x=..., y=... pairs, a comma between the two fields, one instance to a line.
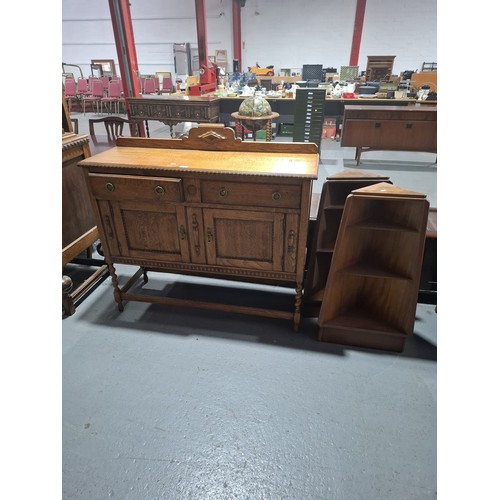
x=297, y=305
x=67, y=301
x=269, y=131
x=116, y=293
x=239, y=130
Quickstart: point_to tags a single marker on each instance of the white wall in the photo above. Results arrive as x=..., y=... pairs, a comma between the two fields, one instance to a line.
x=284, y=33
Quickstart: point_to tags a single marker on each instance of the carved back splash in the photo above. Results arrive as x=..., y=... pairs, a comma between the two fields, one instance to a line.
x=217, y=137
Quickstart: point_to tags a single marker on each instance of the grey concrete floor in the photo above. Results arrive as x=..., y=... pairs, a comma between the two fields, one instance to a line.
x=177, y=404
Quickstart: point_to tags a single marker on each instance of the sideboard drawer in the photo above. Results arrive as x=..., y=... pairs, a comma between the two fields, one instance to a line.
x=136, y=188
x=251, y=194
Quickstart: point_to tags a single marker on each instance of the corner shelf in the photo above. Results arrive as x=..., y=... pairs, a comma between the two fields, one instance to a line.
x=331, y=207
x=371, y=293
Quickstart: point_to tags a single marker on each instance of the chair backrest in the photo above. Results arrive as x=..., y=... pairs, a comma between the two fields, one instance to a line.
x=113, y=124
x=81, y=85
x=114, y=90
x=69, y=88
x=142, y=79
x=105, y=82
x=92, y=79
x=119, y=81
x=156, y=81
x=149, y=86
x=97, y=89
x=167, y=85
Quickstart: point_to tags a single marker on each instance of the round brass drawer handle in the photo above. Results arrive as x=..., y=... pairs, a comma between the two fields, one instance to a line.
x=159, y=190
x=109, y=186
x=276, y=196
x=223, y=192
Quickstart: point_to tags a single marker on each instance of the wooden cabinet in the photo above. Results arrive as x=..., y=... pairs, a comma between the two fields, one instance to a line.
x=79, y=230
x=371, y=293
x=209, y=205
x=379, y=68
x=397, y=128
x=334, y=193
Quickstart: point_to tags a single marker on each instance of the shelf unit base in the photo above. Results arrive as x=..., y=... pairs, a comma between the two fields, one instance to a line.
x=358, y=338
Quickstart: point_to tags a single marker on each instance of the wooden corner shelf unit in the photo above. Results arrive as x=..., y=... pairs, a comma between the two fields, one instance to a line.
x=331, y=207
x=371, y=292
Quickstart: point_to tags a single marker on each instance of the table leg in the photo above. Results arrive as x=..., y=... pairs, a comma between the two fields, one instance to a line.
x=269, y=131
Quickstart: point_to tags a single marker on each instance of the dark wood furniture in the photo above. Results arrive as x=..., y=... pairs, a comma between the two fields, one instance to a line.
x=326, y=223
x=428, y=278
x=79, y=230
x=370, y=298
x=285, y=107
x=172, y=110
x=113, y=125
x=379, y=68
x=209, y=205
x=396, y=128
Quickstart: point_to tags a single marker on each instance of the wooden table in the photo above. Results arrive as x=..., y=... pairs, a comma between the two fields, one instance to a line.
x=208, y=205
x=177, y=108
x=173, y=109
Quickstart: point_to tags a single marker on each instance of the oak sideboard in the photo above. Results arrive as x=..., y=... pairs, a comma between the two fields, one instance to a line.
x=208, y=205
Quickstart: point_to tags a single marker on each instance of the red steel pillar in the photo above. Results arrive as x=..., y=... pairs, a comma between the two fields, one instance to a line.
x=357, y=32
x=237, y=33
x=125, y=48
x=201, y=30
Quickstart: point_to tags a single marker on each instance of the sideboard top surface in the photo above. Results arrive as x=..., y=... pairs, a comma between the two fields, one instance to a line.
x=409, y=109
x=228, y=162
x=174, y=98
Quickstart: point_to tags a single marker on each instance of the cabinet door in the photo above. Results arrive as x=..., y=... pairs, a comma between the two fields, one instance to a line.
x=141, y=231
x=247, y=239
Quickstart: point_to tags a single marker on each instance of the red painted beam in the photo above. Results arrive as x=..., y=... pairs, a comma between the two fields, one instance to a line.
x=125, y=48
x=357, y=32
x=237, y=32
x=201, y=30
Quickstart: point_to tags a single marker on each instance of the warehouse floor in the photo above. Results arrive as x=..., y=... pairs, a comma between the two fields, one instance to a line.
x=177, y=404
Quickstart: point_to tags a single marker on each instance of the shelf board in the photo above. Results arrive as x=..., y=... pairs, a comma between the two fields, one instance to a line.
x=357, y=321
x=372, y=272
x=382, y=226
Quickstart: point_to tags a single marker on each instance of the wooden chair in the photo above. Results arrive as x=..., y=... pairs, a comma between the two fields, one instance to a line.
x=113, y=124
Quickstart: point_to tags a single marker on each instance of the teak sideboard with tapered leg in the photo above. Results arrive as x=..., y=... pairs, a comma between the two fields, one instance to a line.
x=207, y=205
x=392, y=128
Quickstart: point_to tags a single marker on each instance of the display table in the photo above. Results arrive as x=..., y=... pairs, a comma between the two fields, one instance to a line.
x=209, y=205
x=177, y=108
x=171, y=110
